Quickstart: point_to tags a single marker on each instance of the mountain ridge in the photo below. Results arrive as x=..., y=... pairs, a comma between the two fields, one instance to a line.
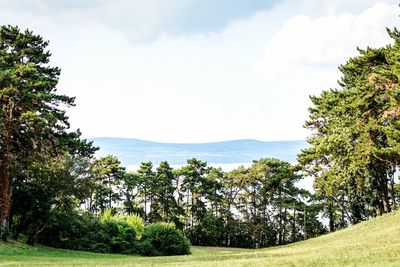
x=250, y=140
x=132, y=151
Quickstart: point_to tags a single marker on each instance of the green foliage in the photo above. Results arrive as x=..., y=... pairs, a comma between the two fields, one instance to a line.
x=355, y=147
x=112, y=234
x=146, y=183
x=129, y=193
x=163, y=239
x=137, y=223
x=109, y=175
x=106, y=215
x=121, y=237
x=33, y=127
x=74, y=231
x=58, y=184
x=133, y=220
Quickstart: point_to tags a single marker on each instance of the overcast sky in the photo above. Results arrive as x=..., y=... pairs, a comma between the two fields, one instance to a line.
x=199, y=70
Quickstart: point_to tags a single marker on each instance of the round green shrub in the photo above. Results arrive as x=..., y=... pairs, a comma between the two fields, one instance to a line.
x=121, y=236
x=163, y=239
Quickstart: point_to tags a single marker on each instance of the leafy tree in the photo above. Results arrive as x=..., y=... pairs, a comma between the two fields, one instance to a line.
x=57, y=184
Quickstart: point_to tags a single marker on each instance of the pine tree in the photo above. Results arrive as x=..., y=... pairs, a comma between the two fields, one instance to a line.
x=355, y=144
x=31, y=121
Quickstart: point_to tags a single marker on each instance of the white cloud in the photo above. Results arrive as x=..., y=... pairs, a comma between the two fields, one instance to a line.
x=303, y=57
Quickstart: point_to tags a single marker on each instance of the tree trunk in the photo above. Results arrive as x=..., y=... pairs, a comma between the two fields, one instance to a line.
x=91, y=200
x=280, y=226
x=284, y=225
x=150, y=202
x=192, y=209
x=331, y=218
x=294, y=226
x=5, y=185
x=177, y=190
x=109, y=192
x=34, y=231
x=393, y=192
x=145, y=205
x=187, y=210
x=4, y=202
x=305, y=222
x=384, y=193
x=280, y=218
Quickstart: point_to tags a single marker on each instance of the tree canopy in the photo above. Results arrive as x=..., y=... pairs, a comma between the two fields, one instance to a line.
x=355, y=146
x=33, y=125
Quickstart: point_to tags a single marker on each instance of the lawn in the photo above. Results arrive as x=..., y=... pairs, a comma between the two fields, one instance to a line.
x=372, y=243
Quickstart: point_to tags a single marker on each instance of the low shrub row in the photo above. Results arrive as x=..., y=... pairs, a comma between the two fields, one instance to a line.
x=113, y=234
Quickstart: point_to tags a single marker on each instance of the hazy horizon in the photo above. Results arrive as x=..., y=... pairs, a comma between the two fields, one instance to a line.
x=200, y=142
x=135, y=151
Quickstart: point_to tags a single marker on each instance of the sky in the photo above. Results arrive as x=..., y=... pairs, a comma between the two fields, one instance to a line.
x=199, y=70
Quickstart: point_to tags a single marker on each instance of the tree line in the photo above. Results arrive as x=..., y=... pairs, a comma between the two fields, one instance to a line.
x=252, y=207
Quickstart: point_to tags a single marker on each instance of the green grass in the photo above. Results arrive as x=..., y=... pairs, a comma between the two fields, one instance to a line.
x=372, y=243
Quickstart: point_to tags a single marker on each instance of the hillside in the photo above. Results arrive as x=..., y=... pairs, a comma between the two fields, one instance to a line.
x=135, y=151
x=372, y=243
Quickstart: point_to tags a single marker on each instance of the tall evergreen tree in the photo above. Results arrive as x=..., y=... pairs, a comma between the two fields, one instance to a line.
x=129, y=193
x=194, y=174
x=164, y=204
x=146, y=181
x=355, y=144
x=109, y=175
x=31, y=120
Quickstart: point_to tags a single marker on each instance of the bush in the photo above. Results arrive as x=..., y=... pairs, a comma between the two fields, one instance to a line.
x=77, y=232
x=132, y=220
x=113, y=234
x=136, y=222
x=163, y=239
x=71, y=231
x=121, y=237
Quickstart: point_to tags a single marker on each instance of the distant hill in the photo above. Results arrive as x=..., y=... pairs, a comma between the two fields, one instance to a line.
x=135, y=151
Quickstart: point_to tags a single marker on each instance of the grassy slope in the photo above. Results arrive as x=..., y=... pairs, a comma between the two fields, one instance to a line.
x=372, y=243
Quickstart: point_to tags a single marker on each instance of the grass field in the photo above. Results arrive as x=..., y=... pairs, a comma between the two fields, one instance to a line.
x=372, y=243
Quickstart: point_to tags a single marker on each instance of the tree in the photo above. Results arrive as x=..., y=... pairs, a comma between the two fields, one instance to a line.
x=355, y=146
x=31, y=120
x=48, y=186
x=146, y=181
x=129, y=191
x=194, y=176
x=109, y=174
x=164, y=205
